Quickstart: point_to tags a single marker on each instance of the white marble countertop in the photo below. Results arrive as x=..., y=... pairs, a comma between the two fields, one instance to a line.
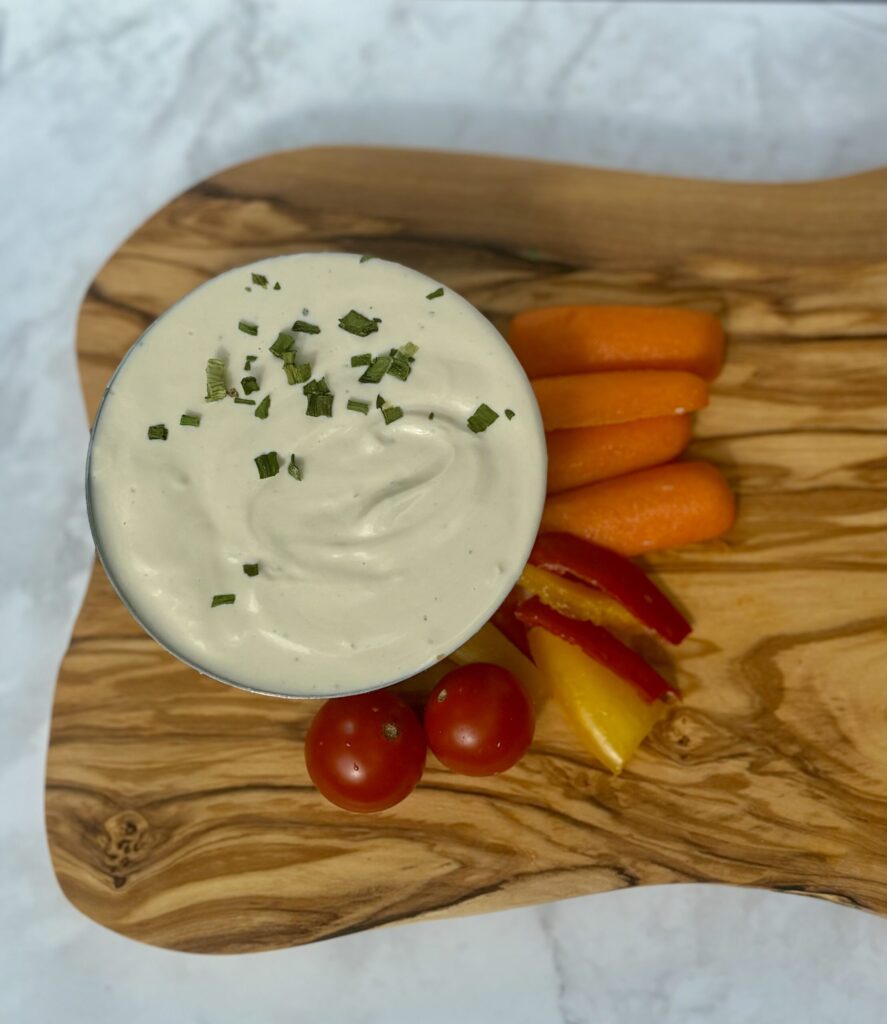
x=108, y=108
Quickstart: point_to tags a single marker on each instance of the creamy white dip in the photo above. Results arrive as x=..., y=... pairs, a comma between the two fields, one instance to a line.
x=400, y=539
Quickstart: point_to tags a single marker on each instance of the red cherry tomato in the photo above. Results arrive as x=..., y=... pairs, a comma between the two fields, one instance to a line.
x=366, y=752
x=479, y=720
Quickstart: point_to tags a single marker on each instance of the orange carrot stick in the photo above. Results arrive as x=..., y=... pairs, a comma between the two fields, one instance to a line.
x=593, y=399
x=577, y=339
x=665, y=507
x=588, y=454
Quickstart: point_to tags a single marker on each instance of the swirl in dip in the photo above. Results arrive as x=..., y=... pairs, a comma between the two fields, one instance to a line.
x=407, y=527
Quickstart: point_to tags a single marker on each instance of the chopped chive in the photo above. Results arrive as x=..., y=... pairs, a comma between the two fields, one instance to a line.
x=380, y=402
x=431, y=415
x=223, y=599
x=248, y=328
x=367, y=256
x=216, y=388
x=293, y=469
x=409, y=350
x=356, y=323
x=376, y=370
x=400, y=365
x=316, y=387
x=249, y=385
x=390, y=413
x=305, y=328
x=277, y=286
x=436, y=294
x=189, y=421
x=260, y=280
x=263, y=408
x=319, y=405
x=248, y=365
x=267, y=465
x=482, y=417
x=243, y=401
x=362, y=360
x=284, y=343
x=509, y=414
x=297, y=373
x=251, y=568
x=158, y=432
x=355, y=405
x=289, y=357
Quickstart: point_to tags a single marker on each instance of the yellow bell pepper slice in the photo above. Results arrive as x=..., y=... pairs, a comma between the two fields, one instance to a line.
x=609, y=715
x=490, y=645
x=577, y=600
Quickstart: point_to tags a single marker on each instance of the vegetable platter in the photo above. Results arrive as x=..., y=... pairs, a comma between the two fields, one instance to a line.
x=181, y=813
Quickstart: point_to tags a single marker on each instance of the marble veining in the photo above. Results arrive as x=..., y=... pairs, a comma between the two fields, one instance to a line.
x=106, y=110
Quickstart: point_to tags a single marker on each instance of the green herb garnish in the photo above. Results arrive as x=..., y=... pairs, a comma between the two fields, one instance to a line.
x=409, y=350
x=362, y=360
x=355, y=405
x=263, y=408
x=431, y=415
x=277, y=286
x=305, y=328
x=390, y=413
x=249, y=385
x=216, y=388
x=297, y=373
x=356, y=323
x=316, y=387
x=284, y=343
x=482, y=418
x=380, y=402
x=267, y=465
x=319, y=405
x=376, y=370
x=367, y=256
x=436, y=294
x=158, y=432
x=248, y=365
x=223, y=599
x=260, y=280
x=293, y=469
x=509, y=414
x=189, y=421
x=400, y=365
x=248, y=328
x=251, y=568
x=243, y=401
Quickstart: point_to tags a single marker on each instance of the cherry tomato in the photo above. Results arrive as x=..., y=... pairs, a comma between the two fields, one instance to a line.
x=366, y=752
x=479, y=720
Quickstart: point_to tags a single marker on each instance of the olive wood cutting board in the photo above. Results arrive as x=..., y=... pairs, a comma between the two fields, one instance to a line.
x=179, y=811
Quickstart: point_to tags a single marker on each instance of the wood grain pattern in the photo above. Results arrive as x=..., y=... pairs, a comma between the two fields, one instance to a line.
x=179, y=811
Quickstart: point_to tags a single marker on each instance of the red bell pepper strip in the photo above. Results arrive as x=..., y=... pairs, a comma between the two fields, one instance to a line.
x=615, y=575
x=600, y=645
x=504, y=620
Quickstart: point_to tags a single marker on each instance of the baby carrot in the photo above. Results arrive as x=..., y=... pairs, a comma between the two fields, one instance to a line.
x=577, y=339
x=588, y=454
x=594, y=399
x=665, y=507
